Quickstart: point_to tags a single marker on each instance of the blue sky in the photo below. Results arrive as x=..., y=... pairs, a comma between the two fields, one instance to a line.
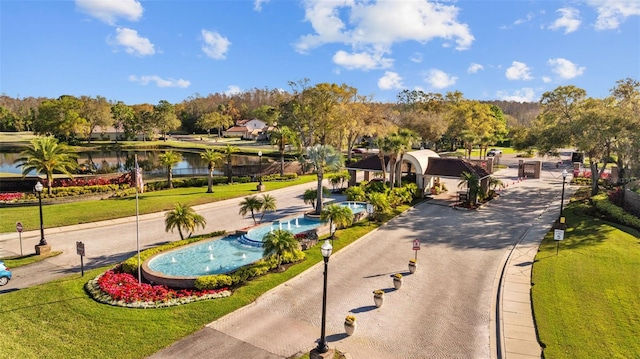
x=147, y=51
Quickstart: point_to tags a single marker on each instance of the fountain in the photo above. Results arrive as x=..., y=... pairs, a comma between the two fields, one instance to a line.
x=207, y=269
x=231, y=252
x=289, y=225
x=271, y=229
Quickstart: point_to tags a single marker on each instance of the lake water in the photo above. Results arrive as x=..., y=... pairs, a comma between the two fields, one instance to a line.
x=123, y=161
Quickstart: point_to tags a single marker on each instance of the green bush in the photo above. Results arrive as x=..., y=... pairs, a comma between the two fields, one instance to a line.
x=277, y=177
x=259, y=268
x=616, y=214
x=213, y=281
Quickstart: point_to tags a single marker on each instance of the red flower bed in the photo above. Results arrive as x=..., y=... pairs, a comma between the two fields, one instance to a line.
x=80, y=182
x=124, y=287
x=11, y=196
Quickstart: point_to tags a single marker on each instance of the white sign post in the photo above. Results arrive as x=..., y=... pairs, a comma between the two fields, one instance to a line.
x=80, y=251
x=19, y=229
x=558, y=235
x=416, y=247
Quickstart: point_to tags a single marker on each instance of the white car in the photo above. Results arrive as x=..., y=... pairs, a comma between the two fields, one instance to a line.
x=494, y=152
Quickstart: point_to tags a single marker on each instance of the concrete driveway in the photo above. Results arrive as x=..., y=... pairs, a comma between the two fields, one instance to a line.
x=444, y=310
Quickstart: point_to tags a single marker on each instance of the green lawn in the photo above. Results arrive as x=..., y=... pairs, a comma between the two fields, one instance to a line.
x=59, y=320
x=91, y=211
x=587, y=298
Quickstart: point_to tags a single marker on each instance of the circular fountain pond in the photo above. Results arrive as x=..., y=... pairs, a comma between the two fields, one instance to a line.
x=178, y=268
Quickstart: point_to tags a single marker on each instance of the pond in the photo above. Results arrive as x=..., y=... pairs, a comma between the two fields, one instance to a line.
x=123, y=161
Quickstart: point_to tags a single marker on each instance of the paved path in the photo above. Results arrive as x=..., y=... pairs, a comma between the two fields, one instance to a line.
x=444, y=310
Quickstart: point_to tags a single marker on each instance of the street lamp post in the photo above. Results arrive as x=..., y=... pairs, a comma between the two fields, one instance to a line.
x=260, y=167
x=326, y=253
x=38, y=189
x=564, y=177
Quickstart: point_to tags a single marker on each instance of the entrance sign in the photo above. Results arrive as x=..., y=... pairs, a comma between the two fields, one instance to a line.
x=369, y=208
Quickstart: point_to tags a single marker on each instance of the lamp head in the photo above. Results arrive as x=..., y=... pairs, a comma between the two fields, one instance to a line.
x=564, y=173
x=259, y=153
x=38, y=186
x=326, y=249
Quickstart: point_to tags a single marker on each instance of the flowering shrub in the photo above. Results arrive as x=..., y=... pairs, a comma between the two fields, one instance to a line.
x=350, y=319
x=8, y=197
x=397, y=276
x=378, y=292
x=123, y=289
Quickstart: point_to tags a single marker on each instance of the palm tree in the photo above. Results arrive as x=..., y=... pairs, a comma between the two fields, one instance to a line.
x=268, y=205
x=211, y=156
x=340, y=215
x=311, y=195
x=278, y=243
x=380, y=203
x=228, y=151
x=250, y=204
x=472, y=183
x=384, y=148
x=46, y=155
x=184, y=218
x=168, y=160
x=281, y=137
x=323, y=157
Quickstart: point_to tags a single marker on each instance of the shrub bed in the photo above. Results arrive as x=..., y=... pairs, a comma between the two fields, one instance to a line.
x=614, y=213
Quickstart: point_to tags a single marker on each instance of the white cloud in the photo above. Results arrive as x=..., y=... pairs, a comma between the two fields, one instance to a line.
x=565, y=68
x=525, y=94
x=390, y=81
x=417, y=57
x=160, y=82
x=215, y=46
x=439, y=79
x=529, y=17
x=257, y=4
x=232, y=90
x=518, y=71
x=569, y=20
x=473, y=68
x=133, y=43
x=374, y=27
x=546, y=79
x=611, y=13
x=361, y=60
x=110, y=10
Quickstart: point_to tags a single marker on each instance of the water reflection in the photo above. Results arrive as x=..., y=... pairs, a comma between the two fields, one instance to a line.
x=123, y=161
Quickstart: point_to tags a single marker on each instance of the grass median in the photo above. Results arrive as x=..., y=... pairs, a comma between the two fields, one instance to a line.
x=64, y=214
x=586, y=298
x=60, y=319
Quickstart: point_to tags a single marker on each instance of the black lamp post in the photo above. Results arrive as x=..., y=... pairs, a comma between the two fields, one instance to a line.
x=38, y=189
x=326, y=253
x=564, y=177
x=260, y=167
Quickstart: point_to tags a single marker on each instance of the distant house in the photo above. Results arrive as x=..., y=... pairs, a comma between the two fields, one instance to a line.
x=248, y=129
x=109, y=134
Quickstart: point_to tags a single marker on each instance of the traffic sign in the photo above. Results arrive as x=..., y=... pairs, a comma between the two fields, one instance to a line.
x=416, y=245
x=80, y=248
x=19, y=227
x=558, y=234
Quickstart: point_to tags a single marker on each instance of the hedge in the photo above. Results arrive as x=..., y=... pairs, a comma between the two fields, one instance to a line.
x=617, y=214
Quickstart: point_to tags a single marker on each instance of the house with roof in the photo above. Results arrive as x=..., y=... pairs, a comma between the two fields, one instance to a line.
x=425, y=167
x=253, y=129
